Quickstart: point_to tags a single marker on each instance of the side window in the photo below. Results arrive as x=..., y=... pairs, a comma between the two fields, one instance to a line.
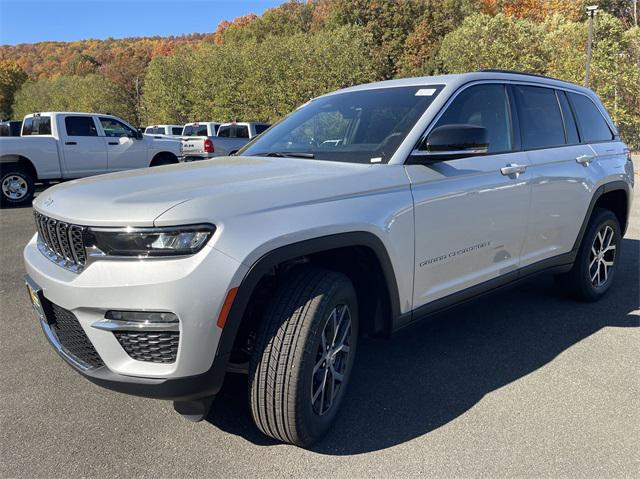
x=570, y=127
x=187, y=131
x=486, y=106
x=80, y=126
x=116, y=129
x=148, y=130
x=224, y=131
x=176, y=130
x=539, y=115
x=593, y=126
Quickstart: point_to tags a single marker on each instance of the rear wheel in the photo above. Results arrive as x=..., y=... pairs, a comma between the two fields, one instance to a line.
x=304, y=355
x=164, y=159
x=595, y=265
x=16, y=184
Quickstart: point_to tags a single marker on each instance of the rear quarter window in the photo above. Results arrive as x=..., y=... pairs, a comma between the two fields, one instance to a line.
x=593, y=127
x=541, y=123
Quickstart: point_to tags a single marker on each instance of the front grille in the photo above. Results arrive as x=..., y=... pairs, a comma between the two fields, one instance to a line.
x=73, y=338
x=153, y=347
x=61, y=242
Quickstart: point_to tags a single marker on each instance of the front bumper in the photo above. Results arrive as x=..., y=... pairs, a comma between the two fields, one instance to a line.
x=191, y=287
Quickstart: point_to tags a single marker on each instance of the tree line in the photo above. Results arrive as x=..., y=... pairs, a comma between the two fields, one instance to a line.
x=262, y=67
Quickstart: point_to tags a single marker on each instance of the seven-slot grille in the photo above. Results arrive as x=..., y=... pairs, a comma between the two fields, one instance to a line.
x=63, y=240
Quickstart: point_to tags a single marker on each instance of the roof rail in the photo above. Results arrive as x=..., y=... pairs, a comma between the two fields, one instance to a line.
x=516, y=72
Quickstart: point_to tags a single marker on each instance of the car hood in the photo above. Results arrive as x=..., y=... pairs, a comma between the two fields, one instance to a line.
x=221, y=186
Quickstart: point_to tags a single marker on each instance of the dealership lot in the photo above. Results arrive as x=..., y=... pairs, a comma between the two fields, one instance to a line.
x=523, y=383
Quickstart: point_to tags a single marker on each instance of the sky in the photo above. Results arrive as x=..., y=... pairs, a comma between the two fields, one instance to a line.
x=30, y=21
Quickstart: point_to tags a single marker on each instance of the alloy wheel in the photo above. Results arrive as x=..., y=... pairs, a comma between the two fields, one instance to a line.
x=602, y=256
x=331, y=359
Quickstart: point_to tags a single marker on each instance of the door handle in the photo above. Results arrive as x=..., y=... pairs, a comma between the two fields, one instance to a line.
x=114, y=143
x=584, y=159
x=513, y=169
x=70, y=143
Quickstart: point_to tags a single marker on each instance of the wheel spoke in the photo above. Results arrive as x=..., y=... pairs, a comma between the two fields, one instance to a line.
x=605, y=270
x=592, y=262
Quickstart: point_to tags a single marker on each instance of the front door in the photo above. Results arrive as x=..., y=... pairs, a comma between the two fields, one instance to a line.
x=124, y=150
x=470, y=213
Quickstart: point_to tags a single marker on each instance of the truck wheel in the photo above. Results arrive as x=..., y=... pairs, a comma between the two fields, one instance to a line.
x=17, y=185
x=595, y=265
x=164, y=159
x=303, y=356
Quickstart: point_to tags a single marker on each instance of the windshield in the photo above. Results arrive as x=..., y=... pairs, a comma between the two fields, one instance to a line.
x=365, y=126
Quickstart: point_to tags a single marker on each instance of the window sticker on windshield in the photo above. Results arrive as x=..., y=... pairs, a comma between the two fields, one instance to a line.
x=377, y=159
x=425, y=91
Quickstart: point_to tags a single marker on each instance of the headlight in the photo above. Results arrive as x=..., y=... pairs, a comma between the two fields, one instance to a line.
x=144, y=242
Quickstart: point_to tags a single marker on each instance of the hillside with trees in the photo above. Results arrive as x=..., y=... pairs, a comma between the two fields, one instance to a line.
x=261, y=67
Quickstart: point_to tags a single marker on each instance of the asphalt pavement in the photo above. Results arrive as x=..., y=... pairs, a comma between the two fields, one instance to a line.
x=524, y=383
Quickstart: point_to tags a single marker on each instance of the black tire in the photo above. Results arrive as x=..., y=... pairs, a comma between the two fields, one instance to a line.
x=163, y=159
x=17, y=185
x=289, y=346
x=590, y=279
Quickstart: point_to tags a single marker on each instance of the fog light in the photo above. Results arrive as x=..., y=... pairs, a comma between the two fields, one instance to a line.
x=142, y=316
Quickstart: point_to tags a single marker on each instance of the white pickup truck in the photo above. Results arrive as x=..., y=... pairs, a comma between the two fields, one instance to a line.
x=164, y=130
x=199, y=143
x=57, y=146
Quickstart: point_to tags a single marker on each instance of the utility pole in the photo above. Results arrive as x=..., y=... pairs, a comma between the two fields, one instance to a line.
x=591, y=11
x=635, y=12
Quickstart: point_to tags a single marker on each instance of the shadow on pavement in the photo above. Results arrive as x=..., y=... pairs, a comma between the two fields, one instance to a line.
x=426, y=377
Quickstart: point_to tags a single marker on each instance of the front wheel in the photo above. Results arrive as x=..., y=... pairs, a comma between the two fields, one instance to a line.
x=304, y=355
x=595, y=265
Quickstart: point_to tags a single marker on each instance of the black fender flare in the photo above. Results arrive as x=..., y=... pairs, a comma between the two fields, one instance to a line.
x=602, y=190
x=296, y=250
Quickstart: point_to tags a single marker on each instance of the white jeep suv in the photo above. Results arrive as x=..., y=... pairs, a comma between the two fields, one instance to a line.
x=362, y=212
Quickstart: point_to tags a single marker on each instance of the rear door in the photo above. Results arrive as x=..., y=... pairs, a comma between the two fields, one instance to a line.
x=470, y=212
x=563, y=179
x=124, y=150
x=85, y=152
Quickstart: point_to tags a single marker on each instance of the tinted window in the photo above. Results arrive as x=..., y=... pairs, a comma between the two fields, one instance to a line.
x=80, y=126
x=242, y=131
x=116, y=129
x=187, y=130
x=224, y=131
x=37, y=125
x=570, y=126
x=486, y=106
x=361, y=126
x=593, y=126
x=176, y=130
x=27, y=125
x=261, y=128
x=539, y=115
x=201, y=130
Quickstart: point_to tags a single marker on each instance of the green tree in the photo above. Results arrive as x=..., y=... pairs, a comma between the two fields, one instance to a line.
x=11, y=79
x=90, y=93
x=483, y=41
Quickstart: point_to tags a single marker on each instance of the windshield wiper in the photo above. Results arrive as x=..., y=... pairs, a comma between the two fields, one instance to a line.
x=287, y=154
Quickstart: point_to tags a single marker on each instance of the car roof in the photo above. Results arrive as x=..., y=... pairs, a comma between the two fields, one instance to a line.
x=457, y=79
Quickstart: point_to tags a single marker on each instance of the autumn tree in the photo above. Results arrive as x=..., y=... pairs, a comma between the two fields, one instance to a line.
x=11, y=79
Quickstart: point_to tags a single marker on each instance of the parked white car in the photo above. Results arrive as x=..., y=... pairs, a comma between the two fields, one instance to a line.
x=229, y=138
x=362, y=212
x=56, y=146
x=164, y=130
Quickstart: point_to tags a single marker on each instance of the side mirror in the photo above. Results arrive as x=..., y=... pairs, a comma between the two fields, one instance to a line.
x=454, y=141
